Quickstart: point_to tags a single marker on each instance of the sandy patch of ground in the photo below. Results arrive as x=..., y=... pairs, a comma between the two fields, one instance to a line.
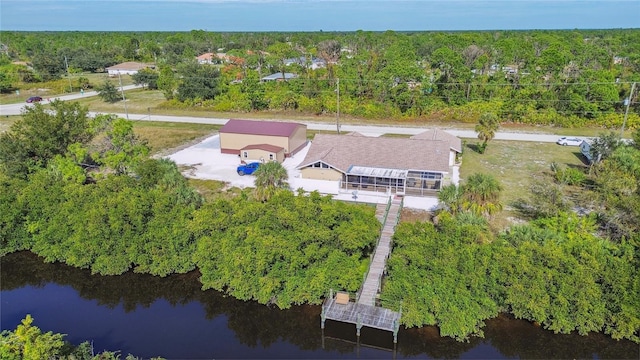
x=205, y=161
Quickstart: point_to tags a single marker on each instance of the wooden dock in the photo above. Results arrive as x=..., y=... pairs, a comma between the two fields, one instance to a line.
x=361, y=315
x=363, y=311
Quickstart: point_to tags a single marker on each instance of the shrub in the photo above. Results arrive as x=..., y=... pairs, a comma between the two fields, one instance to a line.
x=569, y=176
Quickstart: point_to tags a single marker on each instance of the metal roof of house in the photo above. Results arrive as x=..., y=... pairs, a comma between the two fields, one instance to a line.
x=343, y=152
x=265, y=147
x=436, y=134
x=278, y=76
x=205, y=56
x=302, y=60
x=255, y=127
x=130, y=65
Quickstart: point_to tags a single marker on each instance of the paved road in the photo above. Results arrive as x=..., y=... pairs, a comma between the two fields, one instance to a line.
x=371, y=130
x=16, y=109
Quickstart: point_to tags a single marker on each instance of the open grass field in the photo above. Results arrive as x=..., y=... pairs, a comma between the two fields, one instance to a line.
x=62, y=86
x=6, y=122
x=139, y=101
x=515, y=164
x=163, y=136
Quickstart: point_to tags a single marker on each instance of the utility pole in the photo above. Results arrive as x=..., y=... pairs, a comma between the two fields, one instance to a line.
x=627, y=102
x=66, y=65
x=122, y=91
x=338, y=105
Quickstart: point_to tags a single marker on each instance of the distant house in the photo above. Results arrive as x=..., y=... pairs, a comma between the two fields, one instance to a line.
x=314, y=63
x=617, y=60
x=206, y=58
x=404, y=166
x=270, y=140
x=279, y=77
x=128, y=68
x=211, y=58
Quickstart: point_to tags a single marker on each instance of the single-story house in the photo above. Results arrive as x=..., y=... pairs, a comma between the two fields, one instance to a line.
x=455, y=144
x=262, y=153
x=206, y=58
x=262, y=137
x=402, y=166
x=313, y=63
x=279, y=77
x=211, y=58
x=128, y=68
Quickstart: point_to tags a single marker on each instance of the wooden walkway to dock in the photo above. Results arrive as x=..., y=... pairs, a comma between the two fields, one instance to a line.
x=369, y=291
x=363, y=311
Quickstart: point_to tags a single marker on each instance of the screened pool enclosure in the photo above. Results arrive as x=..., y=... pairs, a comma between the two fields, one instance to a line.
x=408, y=182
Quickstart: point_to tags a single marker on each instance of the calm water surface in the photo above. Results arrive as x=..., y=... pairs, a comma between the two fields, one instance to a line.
x=171, y=317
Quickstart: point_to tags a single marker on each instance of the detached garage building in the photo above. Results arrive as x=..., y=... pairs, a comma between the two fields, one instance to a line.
x=262, y=140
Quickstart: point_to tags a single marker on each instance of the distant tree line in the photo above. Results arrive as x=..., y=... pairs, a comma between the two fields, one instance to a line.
x=566, y=78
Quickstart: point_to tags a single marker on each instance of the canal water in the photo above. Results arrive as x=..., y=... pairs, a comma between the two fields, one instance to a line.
x=173, y=318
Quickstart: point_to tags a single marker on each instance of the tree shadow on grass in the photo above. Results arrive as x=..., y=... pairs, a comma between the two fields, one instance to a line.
x=476, y=148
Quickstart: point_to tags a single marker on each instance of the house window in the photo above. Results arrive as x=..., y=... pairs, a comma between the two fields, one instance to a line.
x=271, y=157
x=245, y=154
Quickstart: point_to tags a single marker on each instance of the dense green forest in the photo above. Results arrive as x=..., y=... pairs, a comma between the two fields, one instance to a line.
x=563, y=78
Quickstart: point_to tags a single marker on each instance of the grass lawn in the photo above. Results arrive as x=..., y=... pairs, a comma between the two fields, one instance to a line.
x=139, y=101
x=62, y=86
x=514, y=164
x=214, y=189
x=163, y=136
x=7, y=121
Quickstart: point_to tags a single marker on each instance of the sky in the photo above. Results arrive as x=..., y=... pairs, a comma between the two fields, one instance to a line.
x=316, y=15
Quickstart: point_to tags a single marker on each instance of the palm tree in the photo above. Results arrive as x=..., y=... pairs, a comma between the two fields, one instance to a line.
x=270, y=177
x=450, y=197
x=486, y=129
x=481, y=193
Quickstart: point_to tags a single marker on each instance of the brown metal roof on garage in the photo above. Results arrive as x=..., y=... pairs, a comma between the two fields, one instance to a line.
x=255, y=127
